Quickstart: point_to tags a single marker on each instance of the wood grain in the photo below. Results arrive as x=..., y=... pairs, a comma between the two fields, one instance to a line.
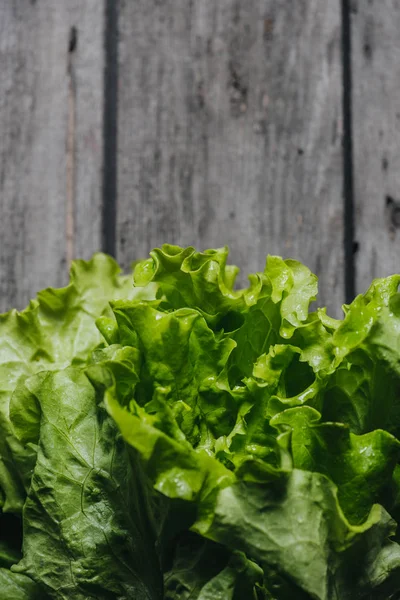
x=230, y=127
x=376, y=133
x=51, y=86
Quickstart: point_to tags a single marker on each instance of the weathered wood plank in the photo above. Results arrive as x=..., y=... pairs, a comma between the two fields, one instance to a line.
x=51, y=86
x=376, y=133
x=230, y=131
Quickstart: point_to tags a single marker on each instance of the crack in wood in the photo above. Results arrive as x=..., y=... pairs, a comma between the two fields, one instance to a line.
x=70, y=158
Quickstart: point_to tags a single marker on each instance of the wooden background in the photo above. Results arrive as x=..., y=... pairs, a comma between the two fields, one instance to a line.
x=268, y=125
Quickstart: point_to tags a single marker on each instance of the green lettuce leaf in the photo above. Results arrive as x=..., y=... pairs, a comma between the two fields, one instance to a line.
x=360, y=465
x=185, y=439
x=190, y=279
x=87, y=518
x=299, y=529
x=364, y=388
x=204, y=570
x=238, y=420
x=19, y=587
x=55, y=330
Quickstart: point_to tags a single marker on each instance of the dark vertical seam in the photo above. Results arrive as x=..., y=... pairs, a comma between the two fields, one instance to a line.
x=348, y=180
x=110, y=128
x=71, y=149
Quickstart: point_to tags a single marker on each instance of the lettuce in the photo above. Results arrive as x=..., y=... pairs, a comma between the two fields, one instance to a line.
x=183, y=439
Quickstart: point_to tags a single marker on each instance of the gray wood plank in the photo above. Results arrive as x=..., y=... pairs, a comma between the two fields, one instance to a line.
x=230, y=130
x=376, y=134
x=51, y=88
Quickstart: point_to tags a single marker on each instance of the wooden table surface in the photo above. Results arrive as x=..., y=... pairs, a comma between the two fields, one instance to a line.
x=267, y=125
